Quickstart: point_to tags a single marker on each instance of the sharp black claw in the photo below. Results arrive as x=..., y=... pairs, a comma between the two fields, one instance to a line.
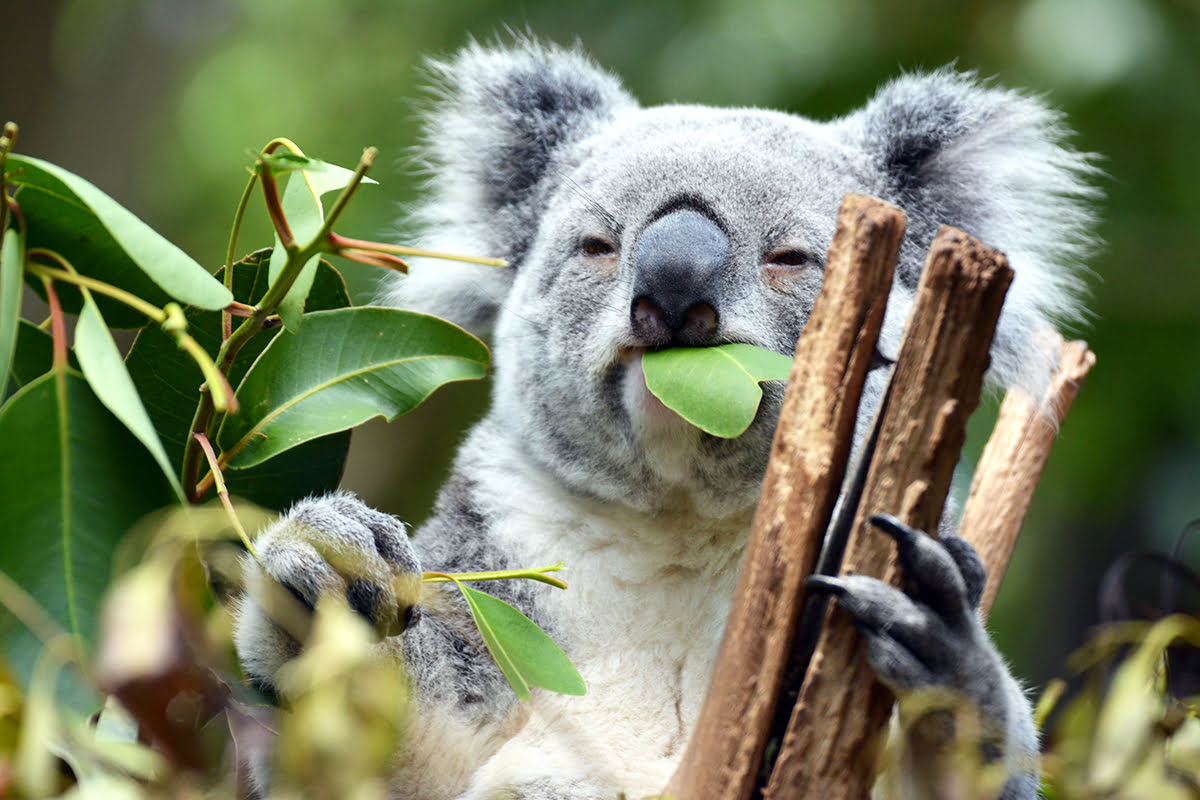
x=826, y=585
x=894, y=528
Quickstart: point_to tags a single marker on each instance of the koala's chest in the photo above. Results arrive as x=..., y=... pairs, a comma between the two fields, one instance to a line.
x=643, y=628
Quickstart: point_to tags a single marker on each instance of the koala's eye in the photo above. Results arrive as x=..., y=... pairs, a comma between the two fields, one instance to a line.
x=596, y=247
x=789, y=258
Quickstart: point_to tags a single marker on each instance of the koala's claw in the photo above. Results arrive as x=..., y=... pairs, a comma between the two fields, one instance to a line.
x=936, y=576
x=919, y=639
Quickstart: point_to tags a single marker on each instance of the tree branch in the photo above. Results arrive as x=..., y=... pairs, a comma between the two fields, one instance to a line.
x=808, y=461
x=830, y=748
x=1012, y=463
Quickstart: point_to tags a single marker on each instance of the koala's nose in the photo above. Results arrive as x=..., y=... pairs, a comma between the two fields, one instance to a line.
x=679, y=260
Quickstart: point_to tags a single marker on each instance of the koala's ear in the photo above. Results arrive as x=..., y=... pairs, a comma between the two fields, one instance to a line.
x=950, y=149
x=496, y=137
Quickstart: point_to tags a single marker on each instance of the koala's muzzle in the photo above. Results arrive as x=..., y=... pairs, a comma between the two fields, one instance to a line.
x=678, y=261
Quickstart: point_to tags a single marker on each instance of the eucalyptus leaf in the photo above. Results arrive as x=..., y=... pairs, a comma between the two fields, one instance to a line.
x=12, y=266
x=104, y=240
x=33, y=357
x=302, y=207
x=169, y=382
x=522, y=650
x=73, y=481
x=714, y=388
x=341, y=369
x=106, y=373
x=284, y=161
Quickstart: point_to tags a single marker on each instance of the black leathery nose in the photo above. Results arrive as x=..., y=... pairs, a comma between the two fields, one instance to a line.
x=678, y=260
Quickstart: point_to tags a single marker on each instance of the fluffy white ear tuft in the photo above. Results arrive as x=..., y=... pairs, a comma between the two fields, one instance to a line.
x=498, y=132
x=993, y=162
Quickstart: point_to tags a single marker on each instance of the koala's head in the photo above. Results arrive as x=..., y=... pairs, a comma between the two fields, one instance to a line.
x=630, y=228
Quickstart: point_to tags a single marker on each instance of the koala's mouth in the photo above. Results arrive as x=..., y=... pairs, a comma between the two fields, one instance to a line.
x=637, y=401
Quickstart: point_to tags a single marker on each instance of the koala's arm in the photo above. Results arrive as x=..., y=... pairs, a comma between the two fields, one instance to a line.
x=337, y=545
x=930, y=648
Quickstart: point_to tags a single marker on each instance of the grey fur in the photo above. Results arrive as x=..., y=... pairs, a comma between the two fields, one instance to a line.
x=535, y=154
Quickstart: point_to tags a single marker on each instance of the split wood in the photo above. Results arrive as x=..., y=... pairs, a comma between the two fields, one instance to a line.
x=1013, y=460
x=830, y=748
x=803, y=479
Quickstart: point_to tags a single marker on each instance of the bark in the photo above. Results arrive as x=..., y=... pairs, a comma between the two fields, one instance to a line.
x=808, y=462
x=1012, y=464
x=830, y=747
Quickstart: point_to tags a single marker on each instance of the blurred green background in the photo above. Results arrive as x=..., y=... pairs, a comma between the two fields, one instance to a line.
x=162, y=102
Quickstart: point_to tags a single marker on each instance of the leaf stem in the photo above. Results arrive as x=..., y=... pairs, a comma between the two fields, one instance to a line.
x=68, y=275
x=58, y=328
x=346, y=243
x=271, y=192
x=222, y=492
x=532, y=574
x=214, y=378
x=343, y=198
x=238, y=216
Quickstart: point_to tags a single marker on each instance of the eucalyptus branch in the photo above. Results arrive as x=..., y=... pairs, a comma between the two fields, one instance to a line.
x=203, y=420
x=343, y=198
x=8, y=140
x=68, y=274
x=271, y=192
x=174, y=324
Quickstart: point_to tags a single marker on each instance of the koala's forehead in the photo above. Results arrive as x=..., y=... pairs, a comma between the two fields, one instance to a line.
x=748, y=165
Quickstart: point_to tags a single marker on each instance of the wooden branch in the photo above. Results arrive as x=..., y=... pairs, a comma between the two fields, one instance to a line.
x=830, y=748
x=808, y=462
x=1012, y=464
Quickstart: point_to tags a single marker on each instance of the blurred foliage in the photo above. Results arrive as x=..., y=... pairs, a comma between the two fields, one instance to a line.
x=126, y=92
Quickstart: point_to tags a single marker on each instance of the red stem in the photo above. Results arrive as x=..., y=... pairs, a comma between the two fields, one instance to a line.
x=58, y=326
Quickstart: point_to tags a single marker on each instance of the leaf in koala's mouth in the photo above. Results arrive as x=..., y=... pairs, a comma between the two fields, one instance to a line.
x=714, y=388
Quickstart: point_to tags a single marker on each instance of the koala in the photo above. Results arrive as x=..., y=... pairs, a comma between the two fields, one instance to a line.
x=628, y=229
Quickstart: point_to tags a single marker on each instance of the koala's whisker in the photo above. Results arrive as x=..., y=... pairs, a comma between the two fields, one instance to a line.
x=609, y=218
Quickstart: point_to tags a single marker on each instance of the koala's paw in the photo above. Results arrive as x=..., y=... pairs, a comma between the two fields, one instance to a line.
x=930, y=637
x=327, y=545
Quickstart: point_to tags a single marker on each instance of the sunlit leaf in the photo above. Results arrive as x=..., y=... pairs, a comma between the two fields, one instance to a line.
x=343, y=368
x=522, y=650
x=301, y=203
x=104, y=240
x=1128, y=722
x=12, y=263
x=73, y=481
x=169, y=384
x=714, y=388
x=105, y=370
x=346, y=707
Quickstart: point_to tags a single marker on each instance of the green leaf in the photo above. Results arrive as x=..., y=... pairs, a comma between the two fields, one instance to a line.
x=104, y=240
x=714, y=388
x=73, y=481
x=522, y=650
x=286, y=161
x=106, y=373
x=301, y=203
x=33, y=358
x=12, y=266
x=168, y=383
x=343, y=368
